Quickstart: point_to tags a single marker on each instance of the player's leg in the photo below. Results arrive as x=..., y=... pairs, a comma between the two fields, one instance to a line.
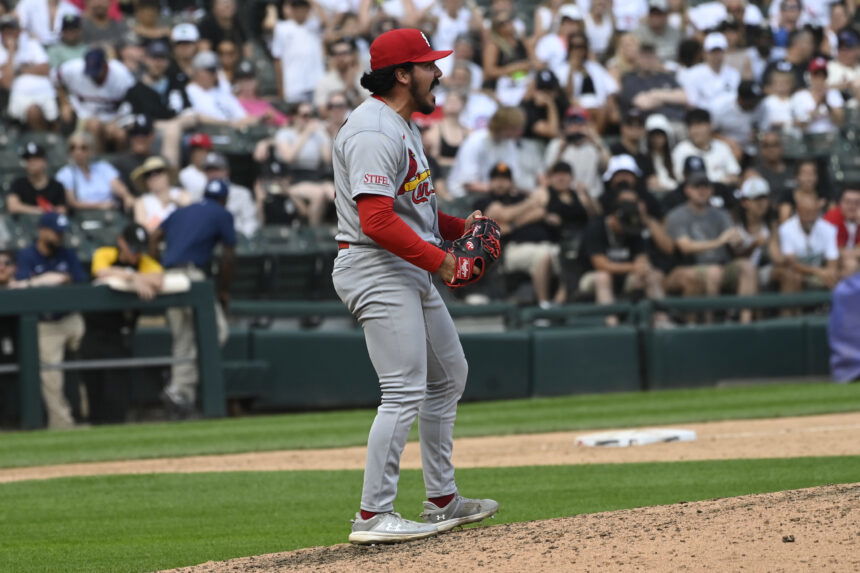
x=446, y=379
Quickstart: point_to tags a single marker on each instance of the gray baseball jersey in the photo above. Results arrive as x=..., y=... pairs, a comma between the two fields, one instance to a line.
x=377, y=152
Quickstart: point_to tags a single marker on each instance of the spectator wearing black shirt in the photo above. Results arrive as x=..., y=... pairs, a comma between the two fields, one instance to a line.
x=613, y=255
x=183, y=38
x=528, y=245
x=651, y=88
x=771, y=165
x=141, y=136
x=221, y=24
x=36, y=192
x=801, y=48
x=544, y=104
x=633, y=143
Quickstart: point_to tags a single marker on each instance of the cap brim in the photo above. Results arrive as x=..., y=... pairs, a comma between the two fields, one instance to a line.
x=432, y=56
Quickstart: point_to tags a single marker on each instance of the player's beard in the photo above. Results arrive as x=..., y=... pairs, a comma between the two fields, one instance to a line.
x=420, y=97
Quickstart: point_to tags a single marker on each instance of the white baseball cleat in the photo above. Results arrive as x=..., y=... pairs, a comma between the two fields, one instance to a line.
x=388, y=528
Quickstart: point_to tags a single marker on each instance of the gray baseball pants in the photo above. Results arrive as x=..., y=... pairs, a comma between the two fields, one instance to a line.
x=416, y=352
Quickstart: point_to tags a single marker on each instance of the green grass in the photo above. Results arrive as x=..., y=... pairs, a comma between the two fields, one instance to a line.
x=337, y=429
x=141, y=523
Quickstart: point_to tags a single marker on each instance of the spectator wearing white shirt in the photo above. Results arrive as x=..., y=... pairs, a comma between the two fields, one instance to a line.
x=587, y=84
x=812, y=12
x=453, y=19
x=486, y=147
x=247, y=210
x=304, y=146
x=24, y=70
x=211, y=103
x=709, y=15
x=298, y=53
x=844, y=71
x=552, y=48
x=43, y=19
x=657, y=31
x=463, y=56
x=735, y=118
x=599, y=27
x=720, y=163
x=479, y=107
x=818, y=109
x=192, y=178
x=706, y=81
x=92, y=89
x=627, y=14
x=580, y=147
x=776, y=107
x=808, y=244
x=91, y=184
x=343, y=75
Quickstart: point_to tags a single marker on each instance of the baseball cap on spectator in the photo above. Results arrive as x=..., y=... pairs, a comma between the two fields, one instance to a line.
x=9, y=21
x=94, y=62
x=184, y=33
x=697, y=115
x=658, y=6
x=136, y=237
x=32, y=149
x=658, y=122
x=57, y=222
x=783, y=66
x=501, y=169
x=754, y=187
x=158, y=49
x=245, y=70
x=817, y=65
x=140, y=125
x=215, y=160
x=546, y=80
x=71, y=22
x=749, y=90
x=576, y=115
x=695, y=172
x=201, y=141
x=570, y=11
x=403, y=45
x=619, y=163
x=216, y=189
x=634, y=115
x=848, y=38
x=205, y=61
x=715, y=41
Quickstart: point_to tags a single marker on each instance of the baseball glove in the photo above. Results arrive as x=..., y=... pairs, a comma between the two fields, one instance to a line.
x=475, y=251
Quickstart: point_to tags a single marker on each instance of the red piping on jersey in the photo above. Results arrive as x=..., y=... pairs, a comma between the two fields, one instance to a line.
x=380, y=223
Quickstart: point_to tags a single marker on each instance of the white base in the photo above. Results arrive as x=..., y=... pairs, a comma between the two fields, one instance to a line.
x=626, y=438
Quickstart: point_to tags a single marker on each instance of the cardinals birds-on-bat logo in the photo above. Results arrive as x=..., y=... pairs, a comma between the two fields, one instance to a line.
x=419, y=184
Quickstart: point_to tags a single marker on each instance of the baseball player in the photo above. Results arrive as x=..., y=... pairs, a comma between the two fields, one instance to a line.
x=389, y=235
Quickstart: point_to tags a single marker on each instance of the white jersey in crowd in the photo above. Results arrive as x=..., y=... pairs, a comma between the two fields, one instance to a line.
x=812, y=249
x=477, y=155
x=816, y=116
x=29, y=52
x=720, y=162
x=298, y=49
x=377, y=152
x=89, y=99
x=215, y=103
x=702, y=84
x=34, y=17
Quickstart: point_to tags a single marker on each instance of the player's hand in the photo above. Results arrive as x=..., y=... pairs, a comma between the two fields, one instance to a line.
x=470, y=220
x=446, y=270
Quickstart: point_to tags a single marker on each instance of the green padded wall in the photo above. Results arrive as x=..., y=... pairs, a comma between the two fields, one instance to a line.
x=817, y=346
x=583, y=360
x=499, y=366
x=702, y=355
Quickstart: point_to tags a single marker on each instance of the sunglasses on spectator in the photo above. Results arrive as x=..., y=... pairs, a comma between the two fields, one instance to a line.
x=770, y=144
x=78, y=147
x=305, y=115
x=6, y=262
x=155, y=172
x=790, y=7
x=342, y=53
x=337, y=105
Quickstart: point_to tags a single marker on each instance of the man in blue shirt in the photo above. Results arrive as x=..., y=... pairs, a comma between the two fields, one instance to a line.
x=191, y=235
x=48, y=263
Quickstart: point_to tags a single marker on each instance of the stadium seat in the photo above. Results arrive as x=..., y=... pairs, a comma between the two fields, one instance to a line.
x=295, y=276
x=252, y=277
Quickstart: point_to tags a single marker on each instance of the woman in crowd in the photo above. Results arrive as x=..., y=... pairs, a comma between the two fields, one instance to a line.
x=659, y=143
x=158, y=197
x=91, y=184
x=587, y=84
x=508, y=61
x=444, y=137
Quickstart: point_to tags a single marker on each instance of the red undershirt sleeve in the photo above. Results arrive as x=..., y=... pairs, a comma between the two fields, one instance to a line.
x=450, y=227
x=380, y=223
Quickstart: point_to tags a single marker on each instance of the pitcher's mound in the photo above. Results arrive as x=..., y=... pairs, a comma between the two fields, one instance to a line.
x=799, y=530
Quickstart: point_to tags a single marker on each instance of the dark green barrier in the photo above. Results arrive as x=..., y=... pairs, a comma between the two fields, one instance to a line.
x=332, y=370
x=702, y=355
x=499, y=365
x=582, y=360
x=817, y=346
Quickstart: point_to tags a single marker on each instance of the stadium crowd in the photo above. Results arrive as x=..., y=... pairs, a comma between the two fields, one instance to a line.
x=628, y=148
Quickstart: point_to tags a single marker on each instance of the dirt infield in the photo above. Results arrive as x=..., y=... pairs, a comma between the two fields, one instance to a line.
x=803, y=530
x=830, y=435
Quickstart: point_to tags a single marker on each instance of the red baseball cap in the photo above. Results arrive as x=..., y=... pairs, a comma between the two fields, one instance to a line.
x=817, y=65
x=200, y=140
x=402, y=46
